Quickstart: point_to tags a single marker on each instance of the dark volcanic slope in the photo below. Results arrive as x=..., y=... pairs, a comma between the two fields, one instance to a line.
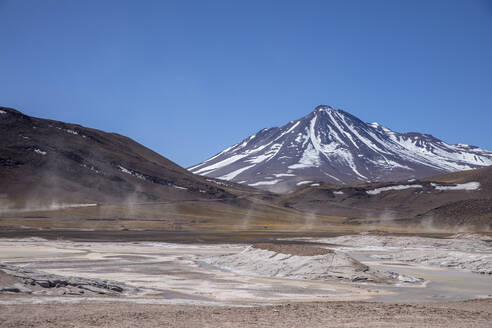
x=459, y=198
x=336, y=147
x=49, y=161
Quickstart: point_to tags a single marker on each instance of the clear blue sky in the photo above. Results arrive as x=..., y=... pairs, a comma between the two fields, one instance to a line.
x=189, y=78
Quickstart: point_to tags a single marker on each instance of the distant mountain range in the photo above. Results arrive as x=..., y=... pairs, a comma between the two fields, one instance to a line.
x=336, y=147
x=90, y=175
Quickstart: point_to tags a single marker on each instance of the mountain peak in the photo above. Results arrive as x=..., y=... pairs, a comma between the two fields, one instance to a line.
x=320, y=108
x=336, y=147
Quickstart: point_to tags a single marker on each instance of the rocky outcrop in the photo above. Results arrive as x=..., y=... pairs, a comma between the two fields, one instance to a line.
x=37, y=282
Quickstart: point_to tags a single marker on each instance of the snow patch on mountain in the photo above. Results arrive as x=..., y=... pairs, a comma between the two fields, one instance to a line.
x=39, y=151
x=260, y=183
x=233, y=174
x=279, y=175
x=462, y=186
x=310, y=158
x=399, y=187
x=131, y=172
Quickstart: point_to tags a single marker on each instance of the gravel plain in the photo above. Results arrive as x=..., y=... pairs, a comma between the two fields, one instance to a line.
x=476, y=313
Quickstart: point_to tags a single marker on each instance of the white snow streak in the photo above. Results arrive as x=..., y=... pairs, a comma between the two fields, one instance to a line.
x=302, y=182
x=39, y=151
x=127, y=171
x=309, y=158
x=260, y=183
x=235, y=173
x=399, y=187
x=463, y=186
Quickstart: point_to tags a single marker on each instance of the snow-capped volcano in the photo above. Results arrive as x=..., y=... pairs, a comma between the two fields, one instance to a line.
x=336, y=147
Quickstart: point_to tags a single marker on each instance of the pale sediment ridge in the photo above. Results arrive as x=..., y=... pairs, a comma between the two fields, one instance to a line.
x=462, y=251
x=303, y=262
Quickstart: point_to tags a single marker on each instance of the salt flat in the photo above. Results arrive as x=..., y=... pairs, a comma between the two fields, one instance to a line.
x=240, y=285
x=236, y=274
x=170, y=271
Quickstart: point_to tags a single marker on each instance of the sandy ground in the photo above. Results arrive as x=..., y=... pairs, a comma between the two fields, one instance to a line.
x=313, y=315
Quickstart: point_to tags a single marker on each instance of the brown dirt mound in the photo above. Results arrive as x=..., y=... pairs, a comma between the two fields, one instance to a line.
x=299, y=250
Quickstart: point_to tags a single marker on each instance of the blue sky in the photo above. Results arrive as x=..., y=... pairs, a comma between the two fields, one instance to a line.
x=189, y=78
